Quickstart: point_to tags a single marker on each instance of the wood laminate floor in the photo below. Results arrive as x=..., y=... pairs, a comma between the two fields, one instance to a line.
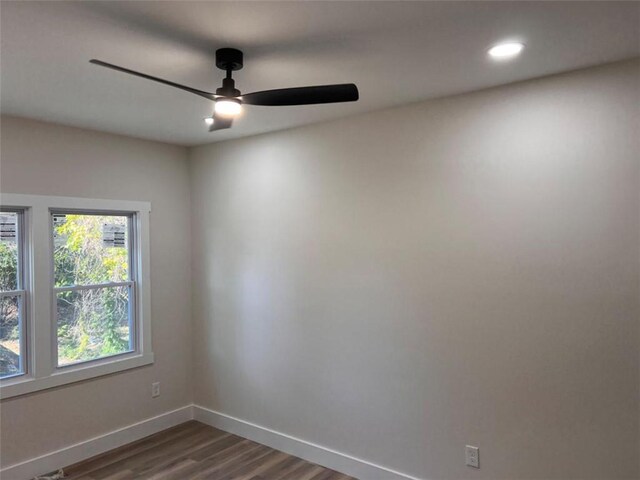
x=194, y=451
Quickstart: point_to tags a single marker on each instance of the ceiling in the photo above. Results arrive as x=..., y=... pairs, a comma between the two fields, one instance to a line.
x=396, y=52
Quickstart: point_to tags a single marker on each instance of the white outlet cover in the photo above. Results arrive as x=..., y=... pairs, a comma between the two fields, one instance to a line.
x=472, y=456
x=155, y=389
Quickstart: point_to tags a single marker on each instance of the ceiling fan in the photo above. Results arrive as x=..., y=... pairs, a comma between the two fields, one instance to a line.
x=229, y=100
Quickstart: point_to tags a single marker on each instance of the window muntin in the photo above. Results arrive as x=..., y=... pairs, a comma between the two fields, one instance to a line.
x=12, y=295
x=94, y=285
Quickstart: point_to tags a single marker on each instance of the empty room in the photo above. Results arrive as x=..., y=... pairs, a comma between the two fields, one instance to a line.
x=319, y=240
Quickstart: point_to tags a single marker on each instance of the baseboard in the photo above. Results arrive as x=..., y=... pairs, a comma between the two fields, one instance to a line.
x=95, y=446
x=324, y=456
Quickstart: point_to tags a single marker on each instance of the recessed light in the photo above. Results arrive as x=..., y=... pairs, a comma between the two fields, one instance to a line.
x=208, y=121
x=506, y=50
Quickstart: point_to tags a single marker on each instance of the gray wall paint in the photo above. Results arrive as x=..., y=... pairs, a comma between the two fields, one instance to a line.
x=398, y=284
x=46, y=159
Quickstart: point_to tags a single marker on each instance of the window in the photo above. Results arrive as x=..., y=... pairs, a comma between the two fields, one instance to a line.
x=94, y=286
x=12, y=294
x=74, y=290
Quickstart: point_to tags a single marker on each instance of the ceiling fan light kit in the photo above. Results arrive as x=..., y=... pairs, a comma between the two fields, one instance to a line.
x=228, y=107
x=229, y=100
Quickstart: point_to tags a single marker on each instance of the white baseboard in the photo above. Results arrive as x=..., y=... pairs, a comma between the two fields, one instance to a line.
x=324, y=456
x=95, y=446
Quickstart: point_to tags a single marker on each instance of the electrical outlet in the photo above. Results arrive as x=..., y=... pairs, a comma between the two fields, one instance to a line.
x=155, y=389
x=472, y=456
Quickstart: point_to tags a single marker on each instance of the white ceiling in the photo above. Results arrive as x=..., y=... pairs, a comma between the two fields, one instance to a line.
x=396, y=52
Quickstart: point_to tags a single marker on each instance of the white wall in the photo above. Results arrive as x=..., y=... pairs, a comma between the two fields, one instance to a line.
x=466, y=270
x=40, y=158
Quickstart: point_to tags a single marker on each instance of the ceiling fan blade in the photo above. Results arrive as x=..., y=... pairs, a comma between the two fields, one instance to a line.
x=346, y=92
x=220, y=123
x=210, y=96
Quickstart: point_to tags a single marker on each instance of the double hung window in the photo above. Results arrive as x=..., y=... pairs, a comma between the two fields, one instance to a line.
x=74, y=290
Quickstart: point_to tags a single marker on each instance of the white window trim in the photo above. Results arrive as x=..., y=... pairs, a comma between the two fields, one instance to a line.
x=42, y=371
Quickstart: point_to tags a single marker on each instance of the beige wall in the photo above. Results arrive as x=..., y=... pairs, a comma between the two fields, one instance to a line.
x=399, y=284
x=40, y=158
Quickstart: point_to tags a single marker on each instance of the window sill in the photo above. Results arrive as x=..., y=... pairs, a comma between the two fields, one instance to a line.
x=16, y=386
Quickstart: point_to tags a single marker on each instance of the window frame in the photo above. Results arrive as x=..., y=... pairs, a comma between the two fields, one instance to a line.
x=40, y=320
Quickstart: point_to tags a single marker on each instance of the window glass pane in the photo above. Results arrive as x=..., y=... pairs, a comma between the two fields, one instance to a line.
x=93, y=323
x=11, y=305
x=8, y=251
x=90, y=249
x=10, y=347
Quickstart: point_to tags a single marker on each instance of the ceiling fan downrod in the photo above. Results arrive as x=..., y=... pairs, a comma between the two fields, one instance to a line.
x=229, y=60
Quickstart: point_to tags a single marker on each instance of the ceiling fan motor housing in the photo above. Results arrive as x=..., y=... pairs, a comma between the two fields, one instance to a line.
x=228, y=88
